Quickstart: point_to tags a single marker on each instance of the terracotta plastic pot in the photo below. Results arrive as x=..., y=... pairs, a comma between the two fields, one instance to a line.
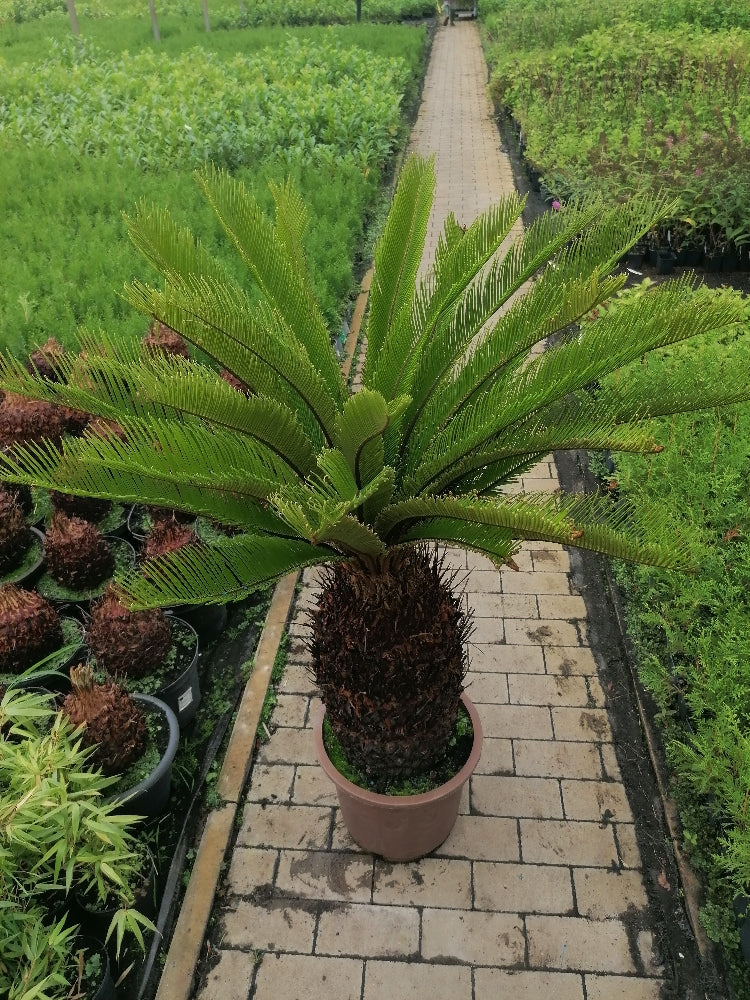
x=400, y=827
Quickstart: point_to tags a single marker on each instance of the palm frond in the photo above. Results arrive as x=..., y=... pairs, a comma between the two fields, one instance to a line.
x=188, y=467
x=254, y=344
x=665, y=316
x=272, y=262
x=398, y=254
x=587, y=521
x=227, y=571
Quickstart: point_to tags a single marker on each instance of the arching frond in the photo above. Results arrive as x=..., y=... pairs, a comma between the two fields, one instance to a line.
x=272, y=261
x=226, y=571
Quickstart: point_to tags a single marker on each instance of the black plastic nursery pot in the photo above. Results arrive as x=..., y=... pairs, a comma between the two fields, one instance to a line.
x=101, y=985
x=150, y=795
x=183, y=694
x=32, y=564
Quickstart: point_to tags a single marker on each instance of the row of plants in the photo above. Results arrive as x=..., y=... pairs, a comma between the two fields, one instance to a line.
x=225, y=13
x=136, y=687
x=69, y=255
x=311, y=100
x=690, y=633
x=632, y=105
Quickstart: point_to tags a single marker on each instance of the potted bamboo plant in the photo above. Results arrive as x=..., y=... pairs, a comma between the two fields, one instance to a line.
x=455, y=405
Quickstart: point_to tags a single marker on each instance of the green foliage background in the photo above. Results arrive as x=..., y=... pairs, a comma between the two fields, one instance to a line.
x=87, y=130
x=643, y=96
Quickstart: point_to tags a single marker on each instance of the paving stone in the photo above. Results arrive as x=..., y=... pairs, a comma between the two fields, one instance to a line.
x=475, y=560
x=487, y=688
x=497, y=757
x=489, y=838
x=290, y=710
x=581, y=724
x=499, y=984
x=296, y=679
x=492, y=795
x=369, y=931
x=284, y=826
x=561, y=606
x=473, y=938
x=622, y=988
x=546, y=689
x=429, y=882
x=550, y=841
x=609, y=760
x=341, y=840
x=631, y=855
x=576, y=943
x=484, y=581
x=525, y=888
x=314, y=707
x=491, y=658
x=602, y=800
x=503, y=605
x=540, y=632
x=596, y=692
x=326, y=875
x=271, y=783
x=557, y=759
x=414, y=981
x=313, y=788
x=250, y=868
x=308, y=977
x=230, y=978
x=288, y=746
x=567, y=660
x=551, y=560
x=488, y=630
x=280, y=925
x=647, y=951
x=536, y=583
x=603, y=893
x=507, y=721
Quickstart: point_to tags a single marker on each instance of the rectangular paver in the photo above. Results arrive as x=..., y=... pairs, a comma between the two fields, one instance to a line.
x=284, y=826
x=547, y=689
x=602, y=800
x=493, y=795
x=414, y=981
x=301, y=977
x=473, y=938
x=279, y=926
x=523, y=888
x=576, y=943
x=602, y=892
x=516, y=659
x=557, y=759
x=429, y=882
x=325, y=875
x=485, y=838
x=551, y=841
x=369, y=931
x=499, y=984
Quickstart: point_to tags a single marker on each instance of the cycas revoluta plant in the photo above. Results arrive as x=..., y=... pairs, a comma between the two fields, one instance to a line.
x=456, y=403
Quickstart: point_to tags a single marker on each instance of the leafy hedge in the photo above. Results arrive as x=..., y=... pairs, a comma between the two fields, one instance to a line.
x=313, y=101
x=224, y=13
x=692, y=641
x=633, y=100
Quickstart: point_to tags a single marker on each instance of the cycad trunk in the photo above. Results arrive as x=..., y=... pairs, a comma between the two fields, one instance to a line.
x=388, y=649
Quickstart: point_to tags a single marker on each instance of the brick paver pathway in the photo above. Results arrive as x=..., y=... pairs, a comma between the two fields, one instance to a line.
x=538, y=891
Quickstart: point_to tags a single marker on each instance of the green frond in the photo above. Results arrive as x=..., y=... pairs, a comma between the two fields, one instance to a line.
x=253, y=343
x=272, y=260
x=414, y=327
x=291, y=222
x=186, y=466
x=592, y=522
x=352, y=537
x=170, y=249
x=226, y=571
x=665, y=316
x=490, y=541
x=398, y=254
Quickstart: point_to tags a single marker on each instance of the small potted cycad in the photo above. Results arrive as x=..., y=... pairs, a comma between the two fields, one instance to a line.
x=456, y=403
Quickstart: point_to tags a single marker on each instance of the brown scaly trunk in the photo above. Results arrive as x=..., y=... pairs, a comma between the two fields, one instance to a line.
x=388, y=651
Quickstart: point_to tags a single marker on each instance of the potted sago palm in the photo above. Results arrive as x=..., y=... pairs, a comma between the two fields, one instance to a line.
x=457, y=402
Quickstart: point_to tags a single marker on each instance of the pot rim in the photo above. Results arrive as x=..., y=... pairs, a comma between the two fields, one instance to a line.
x=402, y=801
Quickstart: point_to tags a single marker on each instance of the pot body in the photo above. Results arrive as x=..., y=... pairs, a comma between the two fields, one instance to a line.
x=400, y=827
x=149, y=797
x=183, y=695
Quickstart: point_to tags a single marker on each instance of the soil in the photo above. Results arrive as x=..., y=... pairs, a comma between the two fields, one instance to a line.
x=692, y=966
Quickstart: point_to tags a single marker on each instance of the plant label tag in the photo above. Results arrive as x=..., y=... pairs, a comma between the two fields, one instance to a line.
x=185, y=699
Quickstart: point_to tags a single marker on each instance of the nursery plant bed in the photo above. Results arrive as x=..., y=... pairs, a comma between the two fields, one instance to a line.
x=172, y=835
